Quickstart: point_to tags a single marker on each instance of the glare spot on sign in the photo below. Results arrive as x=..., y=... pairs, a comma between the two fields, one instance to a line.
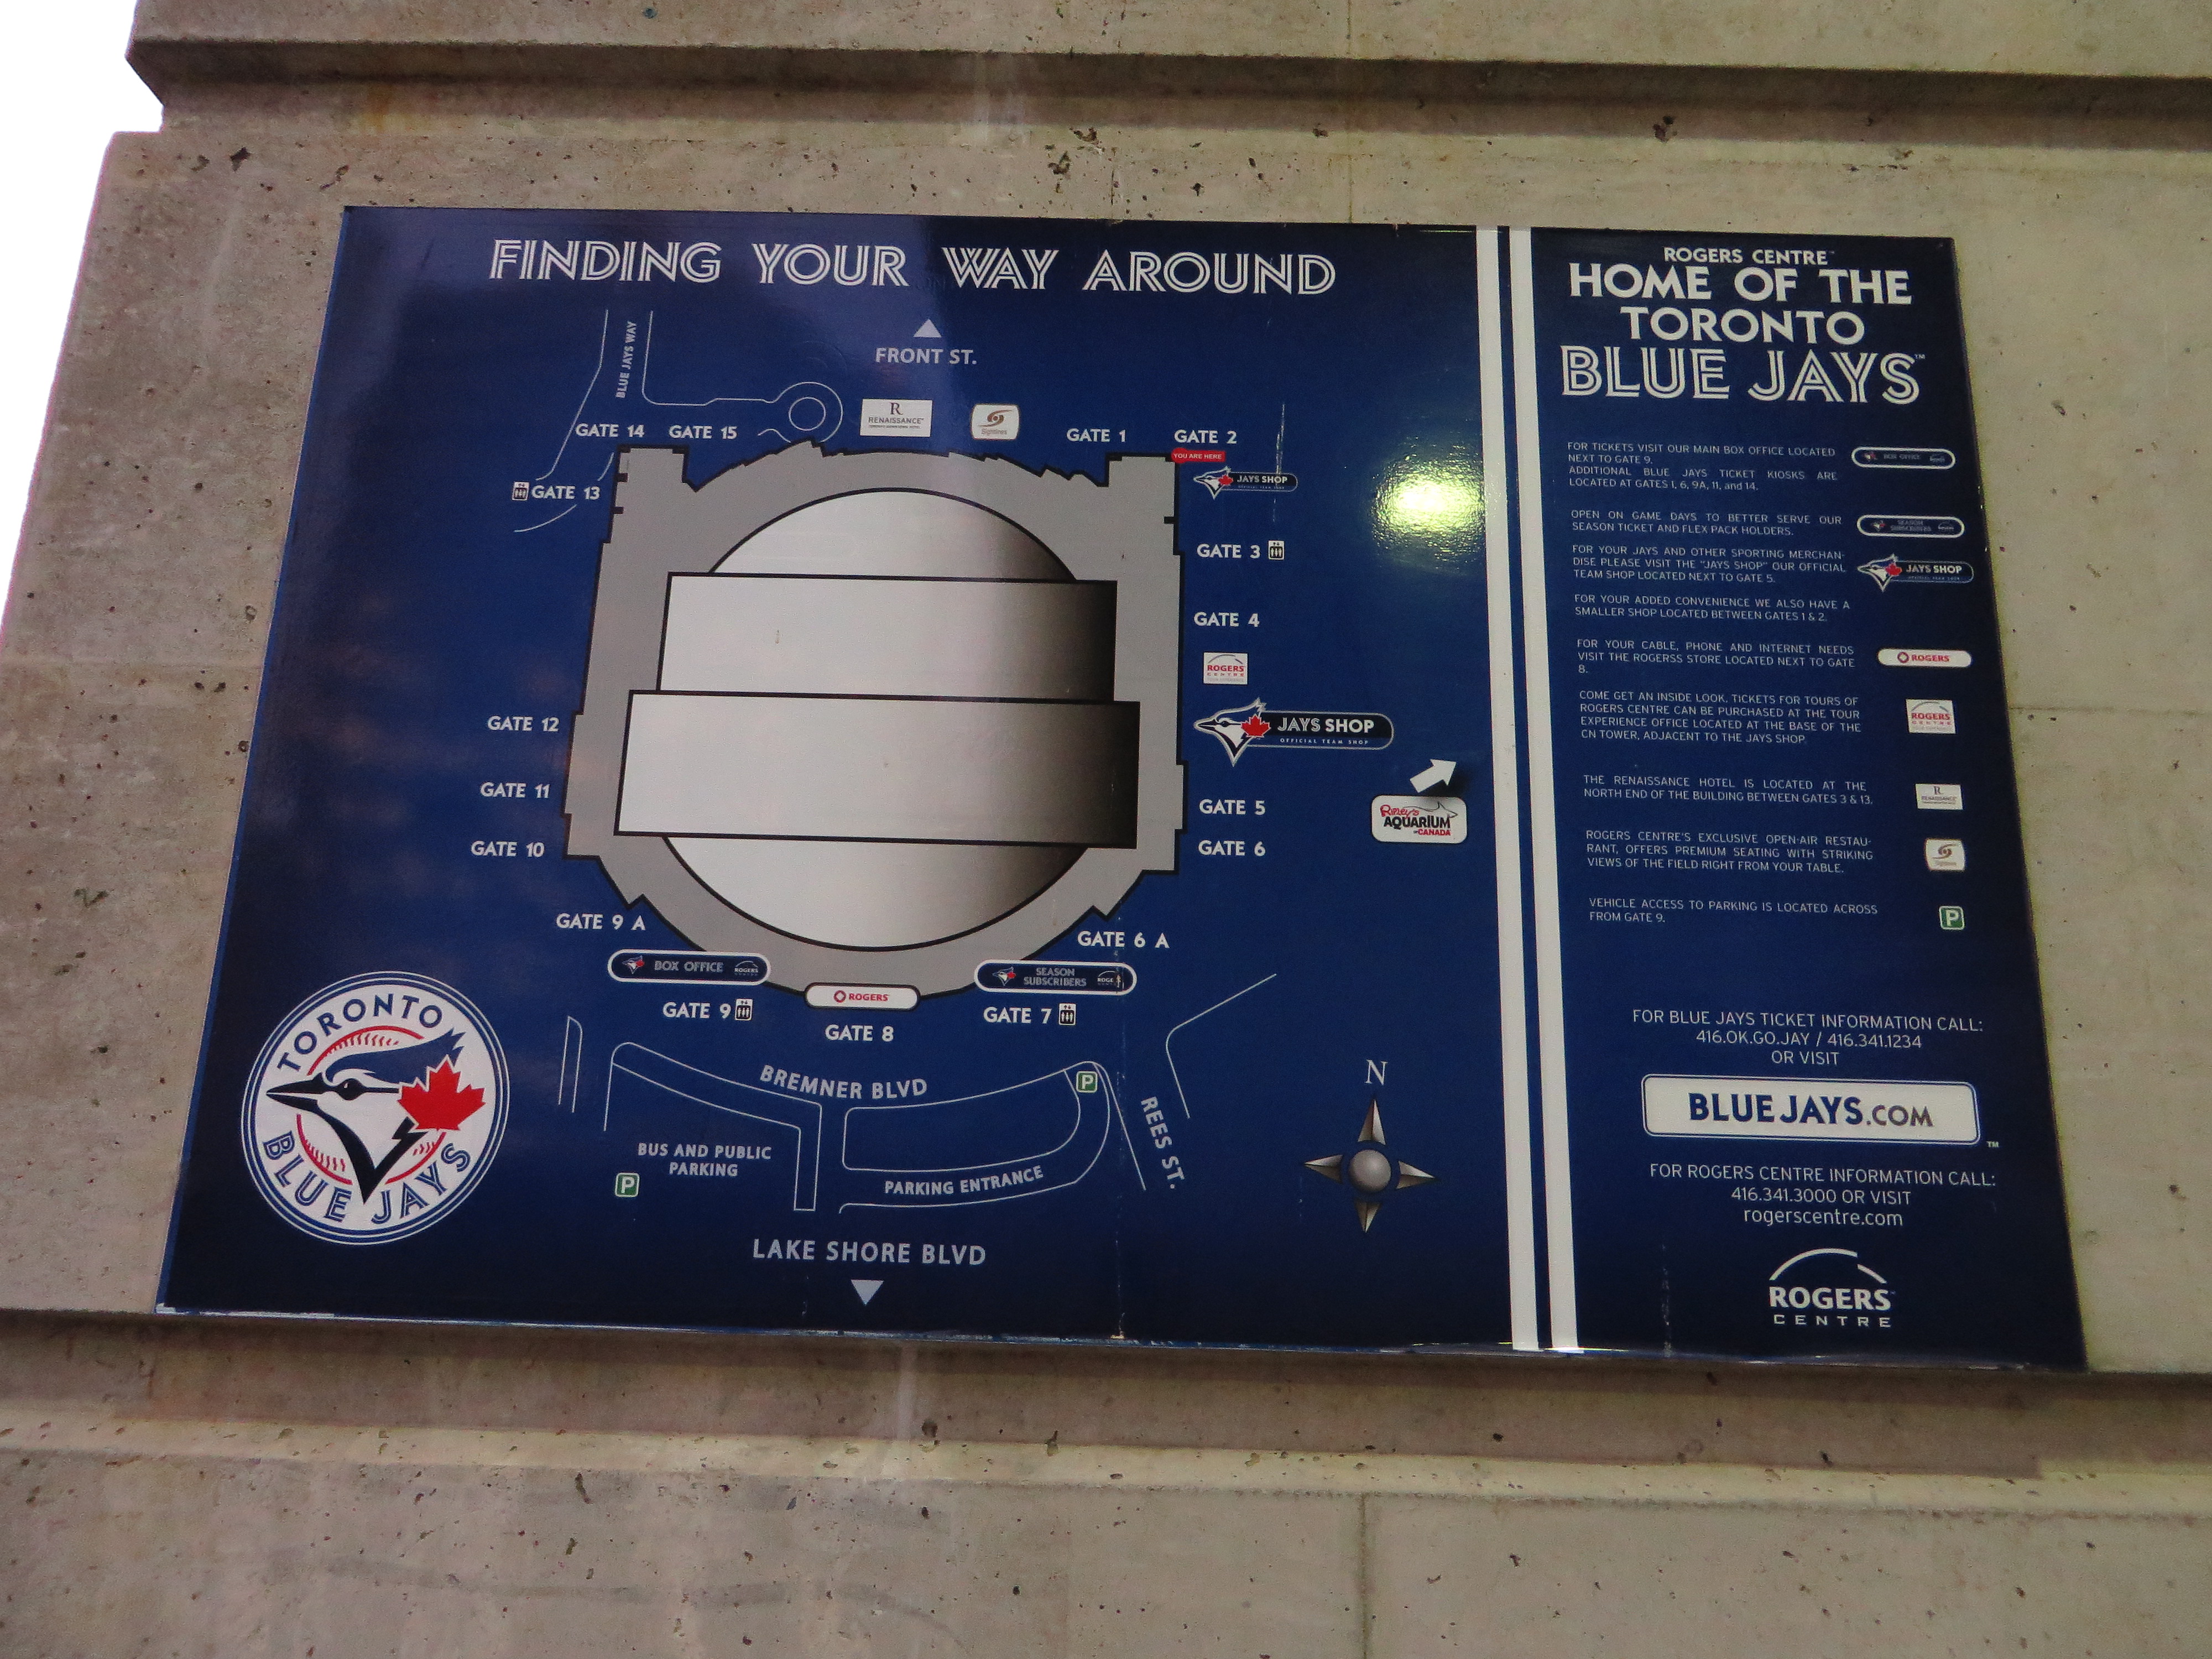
x=1425, y=502
x=1429, y=509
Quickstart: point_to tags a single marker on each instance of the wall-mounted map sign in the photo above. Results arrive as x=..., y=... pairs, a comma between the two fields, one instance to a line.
x=1332, y=785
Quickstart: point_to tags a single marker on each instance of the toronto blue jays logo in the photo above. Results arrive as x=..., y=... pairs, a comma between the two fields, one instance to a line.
x=1238, y=728
x=375, y=1108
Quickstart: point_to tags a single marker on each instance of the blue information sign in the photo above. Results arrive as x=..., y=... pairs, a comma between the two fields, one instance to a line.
x=1333, y=785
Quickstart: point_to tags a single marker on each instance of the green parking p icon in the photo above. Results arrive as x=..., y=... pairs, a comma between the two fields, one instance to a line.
x=625, y=1186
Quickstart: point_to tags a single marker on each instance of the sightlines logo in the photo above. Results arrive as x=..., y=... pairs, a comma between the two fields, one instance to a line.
x=375, y=1108
x=1830, y=1289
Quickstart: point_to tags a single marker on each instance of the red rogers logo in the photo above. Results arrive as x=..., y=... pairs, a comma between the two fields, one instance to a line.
x=896, y=997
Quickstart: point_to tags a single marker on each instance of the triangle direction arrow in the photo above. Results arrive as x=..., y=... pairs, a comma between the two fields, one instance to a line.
x=1371, y=1132
x=927, y=331
x=867, y=1289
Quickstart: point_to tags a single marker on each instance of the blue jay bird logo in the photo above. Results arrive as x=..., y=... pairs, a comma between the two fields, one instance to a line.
x=363, y=1071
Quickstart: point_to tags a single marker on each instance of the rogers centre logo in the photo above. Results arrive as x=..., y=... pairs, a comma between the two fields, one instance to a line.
x=1830, y=1288
x=375, y=1108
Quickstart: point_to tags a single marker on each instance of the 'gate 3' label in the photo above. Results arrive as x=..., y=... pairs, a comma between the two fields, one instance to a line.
x=375, y=1108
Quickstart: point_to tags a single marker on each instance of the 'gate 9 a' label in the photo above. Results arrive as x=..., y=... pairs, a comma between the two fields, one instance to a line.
x=375, y=1108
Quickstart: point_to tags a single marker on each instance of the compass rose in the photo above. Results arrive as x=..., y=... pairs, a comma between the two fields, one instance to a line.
x=1369, y=1170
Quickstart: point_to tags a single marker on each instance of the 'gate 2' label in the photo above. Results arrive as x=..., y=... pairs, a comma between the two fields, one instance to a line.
x=375, y=1108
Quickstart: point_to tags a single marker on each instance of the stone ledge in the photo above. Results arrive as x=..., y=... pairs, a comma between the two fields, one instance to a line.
x=2157, y=37
x=30, y=1428
x=327, y=1377
x=175, y=67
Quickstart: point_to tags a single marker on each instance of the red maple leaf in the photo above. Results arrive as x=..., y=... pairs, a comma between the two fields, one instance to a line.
x=440, y=1102
x=1256, y=728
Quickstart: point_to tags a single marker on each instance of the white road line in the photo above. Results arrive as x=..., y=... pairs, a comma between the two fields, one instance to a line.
x=1168, y=1044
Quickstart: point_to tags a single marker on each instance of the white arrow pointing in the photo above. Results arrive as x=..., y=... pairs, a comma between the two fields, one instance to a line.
x=866, y=1289
x=1438, y=774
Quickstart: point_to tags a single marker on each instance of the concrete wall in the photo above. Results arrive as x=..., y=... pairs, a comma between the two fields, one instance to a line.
x=278, y=1487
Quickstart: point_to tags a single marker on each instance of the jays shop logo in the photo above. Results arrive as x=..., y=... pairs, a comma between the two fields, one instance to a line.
x=375, y=1108
x=1940, y=572
x=1222, y=478
x=1830, y=1289
x=1238, y=729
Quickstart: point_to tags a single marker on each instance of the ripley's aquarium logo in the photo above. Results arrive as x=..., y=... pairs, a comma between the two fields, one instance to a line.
x=1830, y=1289
x=375, y=1108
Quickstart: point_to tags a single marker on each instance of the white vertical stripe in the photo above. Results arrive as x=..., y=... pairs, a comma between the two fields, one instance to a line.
x=1543, y=817
x=1506, y=800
